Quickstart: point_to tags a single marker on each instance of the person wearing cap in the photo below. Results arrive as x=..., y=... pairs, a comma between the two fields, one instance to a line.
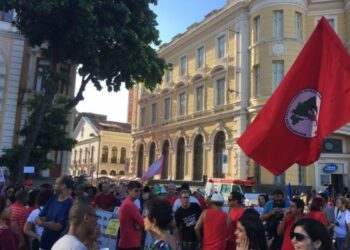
x=161, y=193
x=171, y=196
x=215, y=224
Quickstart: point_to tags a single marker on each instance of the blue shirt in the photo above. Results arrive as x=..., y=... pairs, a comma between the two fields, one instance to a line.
x=56, y=211
x=269, y=206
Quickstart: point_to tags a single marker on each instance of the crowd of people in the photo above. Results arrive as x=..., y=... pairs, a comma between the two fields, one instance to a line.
x=63, y=216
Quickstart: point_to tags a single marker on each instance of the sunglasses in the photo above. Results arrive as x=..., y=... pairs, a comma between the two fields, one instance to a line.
x=298, y=236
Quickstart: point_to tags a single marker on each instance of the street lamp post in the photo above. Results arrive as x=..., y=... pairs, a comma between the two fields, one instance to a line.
x=98, y=152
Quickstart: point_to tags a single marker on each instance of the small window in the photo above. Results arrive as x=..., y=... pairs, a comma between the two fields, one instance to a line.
x=278, y=74
x=123, y=156
x=114, y=155
x=168, y=76
x=200, y=57
x=221, y=46
x=104, y=154
x=166, y=109
x=182, y=104
x=298, y=26
x=256, y=29
x=256, y=77
x=103, y=172
x=183, y=65
x=143, y=117
x=154, y=113
x=199, y=98
x=332, y=146
x=278, y=24
x=220, y=92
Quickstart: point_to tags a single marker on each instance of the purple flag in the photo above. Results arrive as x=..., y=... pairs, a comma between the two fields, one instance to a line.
x=154, y=169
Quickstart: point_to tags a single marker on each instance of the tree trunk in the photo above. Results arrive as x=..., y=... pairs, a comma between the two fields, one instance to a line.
x=37, y=117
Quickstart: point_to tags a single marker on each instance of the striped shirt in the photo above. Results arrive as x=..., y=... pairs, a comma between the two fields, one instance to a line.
x=19, y=214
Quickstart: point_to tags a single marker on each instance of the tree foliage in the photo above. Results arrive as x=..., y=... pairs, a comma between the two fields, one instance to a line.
x=111, y=40
x=52, y=136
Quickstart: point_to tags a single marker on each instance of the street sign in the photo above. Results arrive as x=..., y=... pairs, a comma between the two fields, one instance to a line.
x=28, y=169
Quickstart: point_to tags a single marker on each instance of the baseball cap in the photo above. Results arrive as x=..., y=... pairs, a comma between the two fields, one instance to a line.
x=217, y=197
x=160, y=190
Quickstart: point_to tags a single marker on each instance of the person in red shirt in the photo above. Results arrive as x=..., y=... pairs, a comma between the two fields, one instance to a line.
x=290, y=217
x=215, y=224
x=105, y=200
x=19, y=215
x=130, y=220
x=8, y=238
x=316, y=211
x=235, y=201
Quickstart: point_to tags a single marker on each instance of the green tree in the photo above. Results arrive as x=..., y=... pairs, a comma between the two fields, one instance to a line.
x=52, y=136
x=111, y=40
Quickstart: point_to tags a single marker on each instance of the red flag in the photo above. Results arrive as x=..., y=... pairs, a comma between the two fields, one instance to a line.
x=311, y=102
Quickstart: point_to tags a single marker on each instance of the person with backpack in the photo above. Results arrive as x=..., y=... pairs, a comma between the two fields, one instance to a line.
x=272, y=216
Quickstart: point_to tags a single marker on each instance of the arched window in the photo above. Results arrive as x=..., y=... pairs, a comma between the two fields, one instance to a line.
x=104, y=154
x=198, y=158
x=180, y=159
x=165, y=153
x=152, y=153
x=123, y=156
x=86, y=155
x=140, y=162
x=219, y=147
x=103, y=172
x=114, y=155
x=80, y=155
x=121, y=172
x=92, y=153
x=113, y=173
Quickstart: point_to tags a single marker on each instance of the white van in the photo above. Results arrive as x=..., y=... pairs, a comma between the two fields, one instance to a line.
x=226, y=186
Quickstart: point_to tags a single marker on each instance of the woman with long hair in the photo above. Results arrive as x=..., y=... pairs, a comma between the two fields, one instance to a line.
x=250, y=233
x=8, y=239
x=310, y=234
x=158, y=219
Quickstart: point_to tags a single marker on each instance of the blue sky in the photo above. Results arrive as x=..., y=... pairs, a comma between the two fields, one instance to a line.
x=173, y=16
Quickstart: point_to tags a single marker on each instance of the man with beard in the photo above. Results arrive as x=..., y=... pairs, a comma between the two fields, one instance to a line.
x=54, y=216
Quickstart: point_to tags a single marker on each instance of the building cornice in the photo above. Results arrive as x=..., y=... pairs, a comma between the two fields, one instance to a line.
x=195, y=32
x=256, y=6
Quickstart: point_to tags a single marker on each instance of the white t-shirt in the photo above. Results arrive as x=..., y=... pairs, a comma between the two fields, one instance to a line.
x=35, y=213
x=177, y=203
x=69, y=242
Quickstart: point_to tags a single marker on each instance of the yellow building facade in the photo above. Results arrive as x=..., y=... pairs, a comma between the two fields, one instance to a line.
x=103, y=148
x=224, y=69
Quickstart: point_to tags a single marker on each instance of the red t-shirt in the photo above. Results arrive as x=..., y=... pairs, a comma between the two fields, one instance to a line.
x=318, y=215
x=19, y=214
x=171, y=199
x=129, y=216
x=104, y=201
x=287, y=242
x=8, y=239
x=214, y=230
x=235, y=214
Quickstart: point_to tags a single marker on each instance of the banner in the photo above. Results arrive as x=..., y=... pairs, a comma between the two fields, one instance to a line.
x=109, y=225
